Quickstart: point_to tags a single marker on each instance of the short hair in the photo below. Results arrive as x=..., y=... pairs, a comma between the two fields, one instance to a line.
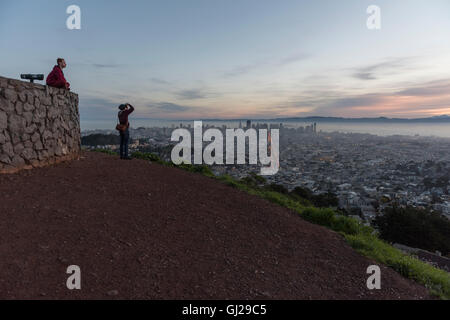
x=59, y=60
x=122, y=107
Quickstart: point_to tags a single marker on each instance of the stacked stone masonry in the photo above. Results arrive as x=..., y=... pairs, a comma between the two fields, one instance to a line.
x=39, y=125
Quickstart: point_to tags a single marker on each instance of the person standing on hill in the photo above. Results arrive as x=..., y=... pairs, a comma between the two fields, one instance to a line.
x=125, y=111
x=56, y=77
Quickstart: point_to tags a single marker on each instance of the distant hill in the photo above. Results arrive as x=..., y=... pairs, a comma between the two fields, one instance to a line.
x=443, y=118
x=438, y=119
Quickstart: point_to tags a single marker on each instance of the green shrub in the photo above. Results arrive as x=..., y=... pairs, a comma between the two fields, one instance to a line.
x=230, y=181
x=277, y=188
x=253, y=180
x=203, y=169
x=416, y=228
x=147, y=156
x=321, y=200
x=347, y=225
x=323, y=217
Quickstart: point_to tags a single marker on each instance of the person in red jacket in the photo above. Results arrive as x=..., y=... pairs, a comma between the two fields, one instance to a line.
x=125, y=111
x=56, y=77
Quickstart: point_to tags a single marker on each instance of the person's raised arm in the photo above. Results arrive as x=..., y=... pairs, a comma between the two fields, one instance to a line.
x=131, y=108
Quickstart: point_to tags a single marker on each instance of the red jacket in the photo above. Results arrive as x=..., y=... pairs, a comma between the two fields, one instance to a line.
x=56, y=78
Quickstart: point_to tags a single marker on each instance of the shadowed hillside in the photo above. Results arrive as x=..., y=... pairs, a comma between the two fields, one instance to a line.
x=141, y=230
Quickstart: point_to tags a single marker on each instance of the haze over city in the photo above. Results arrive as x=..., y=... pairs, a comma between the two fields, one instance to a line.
x=248, y=59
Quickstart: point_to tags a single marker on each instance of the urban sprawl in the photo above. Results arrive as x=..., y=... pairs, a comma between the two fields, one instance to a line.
x=366, y=172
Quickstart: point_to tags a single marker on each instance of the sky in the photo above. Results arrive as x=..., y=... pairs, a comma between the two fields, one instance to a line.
x=237, y=59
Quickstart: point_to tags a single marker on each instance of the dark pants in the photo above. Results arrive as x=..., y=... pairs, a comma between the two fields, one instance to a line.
x=124, y=138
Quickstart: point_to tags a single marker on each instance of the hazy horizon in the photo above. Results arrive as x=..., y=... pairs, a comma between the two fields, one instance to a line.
x=423, y=129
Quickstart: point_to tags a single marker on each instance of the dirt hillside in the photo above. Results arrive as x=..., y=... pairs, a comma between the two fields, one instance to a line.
x=144, y=231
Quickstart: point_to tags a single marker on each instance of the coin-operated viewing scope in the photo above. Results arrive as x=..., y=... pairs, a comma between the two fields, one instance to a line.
x=32, y=77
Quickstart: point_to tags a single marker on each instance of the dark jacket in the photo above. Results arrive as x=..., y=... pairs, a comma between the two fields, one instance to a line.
x=123, y=116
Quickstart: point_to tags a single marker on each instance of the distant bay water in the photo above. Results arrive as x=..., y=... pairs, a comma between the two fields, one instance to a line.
x=437, y=129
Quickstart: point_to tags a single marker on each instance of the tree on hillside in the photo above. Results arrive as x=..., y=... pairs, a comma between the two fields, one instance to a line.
x=323, y=200
x=414, y=227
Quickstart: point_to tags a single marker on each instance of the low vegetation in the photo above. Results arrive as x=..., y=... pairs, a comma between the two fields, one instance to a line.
x=100, y=139
x=403, y=225
x=363, y=239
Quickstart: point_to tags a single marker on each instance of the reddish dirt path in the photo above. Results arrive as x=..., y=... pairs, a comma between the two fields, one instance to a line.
x=144, y=231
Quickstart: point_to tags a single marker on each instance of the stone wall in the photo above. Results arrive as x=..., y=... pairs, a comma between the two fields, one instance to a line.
x=39, y=125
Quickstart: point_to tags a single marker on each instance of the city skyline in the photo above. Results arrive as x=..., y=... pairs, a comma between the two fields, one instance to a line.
x=252, y=59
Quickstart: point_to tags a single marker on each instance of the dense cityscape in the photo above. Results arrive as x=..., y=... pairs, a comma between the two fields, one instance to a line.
x=365, y=172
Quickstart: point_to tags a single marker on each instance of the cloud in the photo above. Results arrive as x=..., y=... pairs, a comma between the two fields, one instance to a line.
x=293, y=58
x=418, y=100
x=105, y=66
x=244, y=69
x=169, y=107
x=434, y=88
x=364, y=76
x=241, y=70
x=89, y=64
x=356, y=101
x=159, y=81
x=372, y=72
x=192, y=94
x=95, y=102
x=97, y=108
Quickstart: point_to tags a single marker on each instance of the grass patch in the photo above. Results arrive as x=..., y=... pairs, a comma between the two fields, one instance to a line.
x=360, y=237
x=436, y=280
x=148, y=156
x=109, y=152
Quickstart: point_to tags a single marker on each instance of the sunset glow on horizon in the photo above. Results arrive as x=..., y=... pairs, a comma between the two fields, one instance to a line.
x=201, y=59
